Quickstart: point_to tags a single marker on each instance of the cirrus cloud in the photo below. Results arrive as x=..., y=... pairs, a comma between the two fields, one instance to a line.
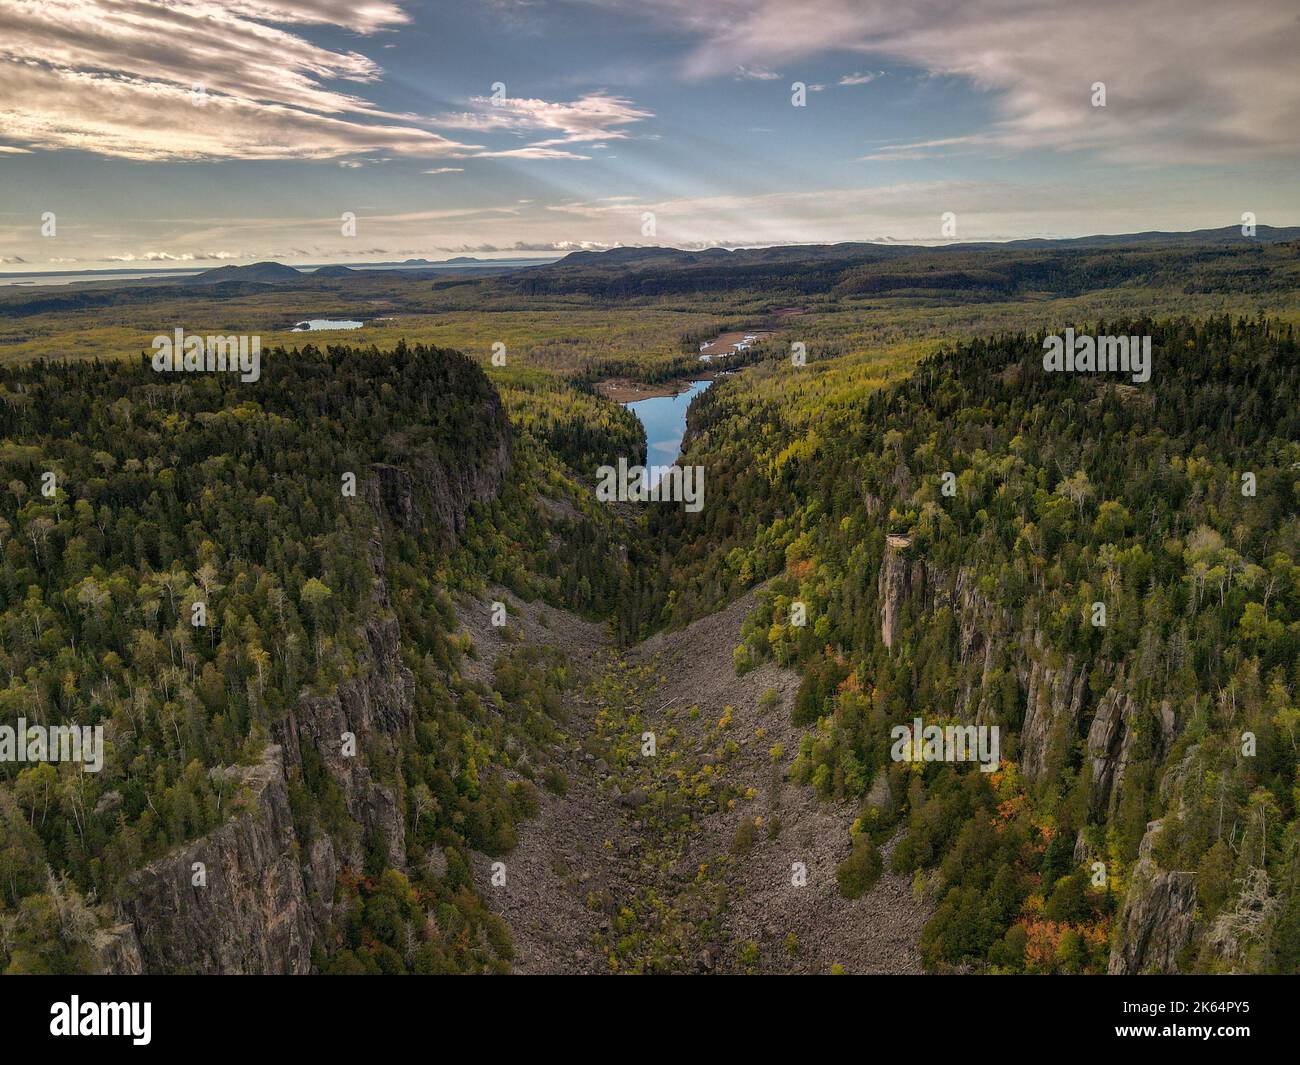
x=1187, y=80
x=196, y=79
x=594, y=118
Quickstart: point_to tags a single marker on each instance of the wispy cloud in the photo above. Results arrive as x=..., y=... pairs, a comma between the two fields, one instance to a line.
x=196, y=79
x=892, y=153
x=168, y=257
x=532, y=151
x=1186, y=80
x=530, y=246
x=592, y=119
x=747, y=73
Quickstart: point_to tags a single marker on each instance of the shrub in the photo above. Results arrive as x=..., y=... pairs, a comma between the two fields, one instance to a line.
x=859, y=872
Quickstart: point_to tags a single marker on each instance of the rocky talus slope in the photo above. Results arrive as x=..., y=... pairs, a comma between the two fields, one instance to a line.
x=609, y=846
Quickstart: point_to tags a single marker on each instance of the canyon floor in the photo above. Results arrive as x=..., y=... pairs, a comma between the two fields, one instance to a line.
x=684, y=860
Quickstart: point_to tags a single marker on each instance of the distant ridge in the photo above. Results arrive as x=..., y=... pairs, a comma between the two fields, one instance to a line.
x=636, y=256
x=1203, y=260
x=264, y=272
x=1264, y=234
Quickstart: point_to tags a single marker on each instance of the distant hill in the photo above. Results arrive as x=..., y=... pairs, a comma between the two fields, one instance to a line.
x=265, y=272
x=1204, y=260
x=625, y=256
x=335, y=271
x=646, y=256
x=1226, y=234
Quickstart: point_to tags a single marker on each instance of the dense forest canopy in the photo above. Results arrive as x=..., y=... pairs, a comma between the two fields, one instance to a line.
x=163, y=494
x=947, y=515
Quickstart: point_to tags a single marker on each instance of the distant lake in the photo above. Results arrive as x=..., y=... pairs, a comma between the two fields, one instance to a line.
x=325, y=323
x=664, y=419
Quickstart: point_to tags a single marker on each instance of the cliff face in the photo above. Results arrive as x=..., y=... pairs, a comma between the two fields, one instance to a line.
x=425, y=492
x=908, y=583
x=894, y=586
x=1053, y=702
x=251, y=916
x=265, y=901
x=376, y=708
x=1054, y=690
x=1113, y=744
x=1156, y=921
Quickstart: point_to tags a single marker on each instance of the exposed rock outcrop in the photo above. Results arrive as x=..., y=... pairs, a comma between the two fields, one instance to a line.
x=376, y=707
x=251, y=915
x=1113, y=744
x=1157, y=917
x=894, y=585
x=118, y=950
x=1105, y=743
x=1055, y=691
x=1054, y=697
x=424, y=492
x=909, y=583
x=264, y=902
x=1156, y=921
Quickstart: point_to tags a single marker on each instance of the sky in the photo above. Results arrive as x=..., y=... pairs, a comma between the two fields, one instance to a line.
x=141, y=133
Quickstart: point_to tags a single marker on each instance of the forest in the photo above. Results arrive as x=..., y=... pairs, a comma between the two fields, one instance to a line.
x=947, y=516
x=168, y=494
x=1174, y=508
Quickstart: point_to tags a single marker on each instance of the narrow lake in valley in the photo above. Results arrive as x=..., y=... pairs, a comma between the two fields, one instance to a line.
x=664, y=419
